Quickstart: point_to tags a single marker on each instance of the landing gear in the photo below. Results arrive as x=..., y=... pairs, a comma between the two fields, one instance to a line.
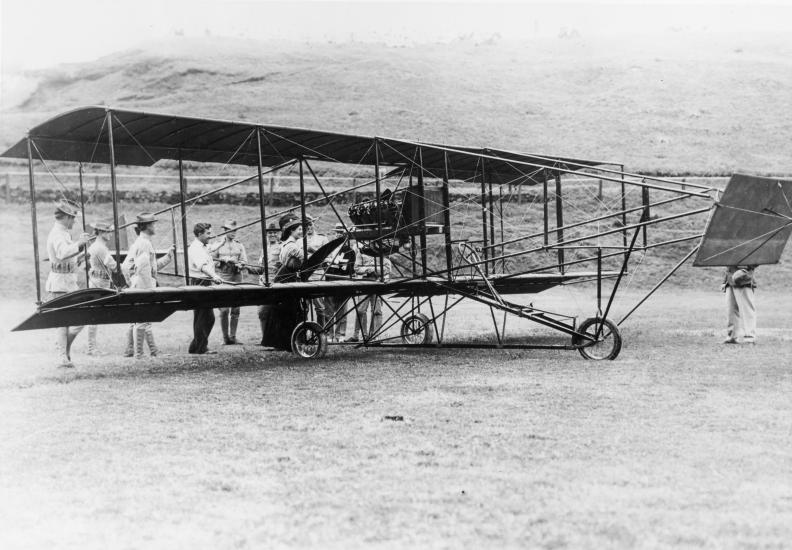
x=416, y=330
x=309, y=340
x=606, y=345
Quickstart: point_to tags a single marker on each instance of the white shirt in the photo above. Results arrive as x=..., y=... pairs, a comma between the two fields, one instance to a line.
x=62, y=254
x=102, y=263
x=201, y=262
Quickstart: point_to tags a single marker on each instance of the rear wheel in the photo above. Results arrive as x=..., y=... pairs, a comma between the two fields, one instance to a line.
x=416, y=330
x=308, y=340
x=605, y=346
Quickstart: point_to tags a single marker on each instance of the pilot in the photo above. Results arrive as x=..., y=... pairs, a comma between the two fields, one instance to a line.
x=202, y=273
x=64, y=256
x=141, y=265
x=231, y=261
x=102, y=265
x=739, y=284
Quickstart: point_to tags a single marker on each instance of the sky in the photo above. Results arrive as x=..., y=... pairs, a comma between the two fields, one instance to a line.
x=36, y=34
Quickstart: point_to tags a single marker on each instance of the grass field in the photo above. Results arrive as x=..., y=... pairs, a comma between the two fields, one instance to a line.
x=681, y=442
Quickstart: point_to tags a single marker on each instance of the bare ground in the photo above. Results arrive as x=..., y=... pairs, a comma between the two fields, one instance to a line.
x=681, y=442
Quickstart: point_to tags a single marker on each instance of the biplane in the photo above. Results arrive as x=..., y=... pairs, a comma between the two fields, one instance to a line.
x=459, y=224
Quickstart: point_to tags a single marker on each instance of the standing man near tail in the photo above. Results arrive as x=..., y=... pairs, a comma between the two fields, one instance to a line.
x=102, y=265
x=739, y=283
x=62, y=279
x=202, y=273
x=231, y=261
x=142, y=265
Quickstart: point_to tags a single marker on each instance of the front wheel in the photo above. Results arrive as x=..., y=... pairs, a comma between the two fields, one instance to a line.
x=308, y=340
x=416, y=330
x=605, y=346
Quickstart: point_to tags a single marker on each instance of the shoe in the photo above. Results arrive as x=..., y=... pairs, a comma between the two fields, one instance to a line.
x=352, y=339
x=228, y=342
x=729, y=341
x=65, y=363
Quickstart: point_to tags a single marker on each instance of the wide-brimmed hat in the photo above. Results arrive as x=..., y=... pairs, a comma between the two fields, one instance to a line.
x=286, y=229
x=272, y=228
x=145, y=217
x=286, y=218
x=67, y=207
x=101, y=226
x=229, y=224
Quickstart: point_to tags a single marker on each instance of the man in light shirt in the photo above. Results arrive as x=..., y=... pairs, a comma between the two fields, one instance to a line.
x=202, y=273
x=142, y=265
x=231, y=259
x=62, y=279
x=102, y=266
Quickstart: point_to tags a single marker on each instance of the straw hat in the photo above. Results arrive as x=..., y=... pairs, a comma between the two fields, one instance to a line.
x=67, y=207
x=145, y=217
x=101, y=227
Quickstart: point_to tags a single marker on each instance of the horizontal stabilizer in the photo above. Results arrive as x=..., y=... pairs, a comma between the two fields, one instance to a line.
x=750, y=224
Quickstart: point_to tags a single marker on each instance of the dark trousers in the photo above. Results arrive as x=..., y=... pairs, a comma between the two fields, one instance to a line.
x=203, y=321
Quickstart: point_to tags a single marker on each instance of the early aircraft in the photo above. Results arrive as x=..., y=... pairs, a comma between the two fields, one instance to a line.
x=445, y=216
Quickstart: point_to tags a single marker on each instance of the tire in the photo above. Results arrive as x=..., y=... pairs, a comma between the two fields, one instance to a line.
x=308, y=340
x=416, y=330
x=607, y=346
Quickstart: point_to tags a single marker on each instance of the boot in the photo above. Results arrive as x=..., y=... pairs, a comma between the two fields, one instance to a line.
x=140, y=336
x=92, y=330
x=71, y=334
x=60, y=345
x=224, y=325
x=233, y=328
x=150, y=340
x=130, y=347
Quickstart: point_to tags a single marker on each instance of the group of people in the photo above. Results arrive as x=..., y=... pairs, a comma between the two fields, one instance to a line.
x=211, y=262
x=286, y=255
x=225, y=261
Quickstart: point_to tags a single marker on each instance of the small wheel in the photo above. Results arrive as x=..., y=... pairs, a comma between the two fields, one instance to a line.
x=606, y=346
x=416, y=330
x=308, y=340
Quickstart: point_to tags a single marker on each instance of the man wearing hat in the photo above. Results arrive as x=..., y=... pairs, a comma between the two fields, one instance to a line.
x=63, y=256
x=102, y=265
x=231, y=260
x=202, y=273
x=142, y=265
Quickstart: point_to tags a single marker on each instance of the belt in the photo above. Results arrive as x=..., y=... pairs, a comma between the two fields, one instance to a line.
x=99, y=274
x=61, y=270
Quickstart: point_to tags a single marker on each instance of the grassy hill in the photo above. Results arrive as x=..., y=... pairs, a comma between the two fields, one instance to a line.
x=678, y=103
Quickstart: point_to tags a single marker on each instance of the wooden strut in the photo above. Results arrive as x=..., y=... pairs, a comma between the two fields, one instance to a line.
x=34, y=221
x=422, y=213
x=484, y=218
x=378, y=210
x=82, y=210
x=114, y=191
x=262, y=211
x=183, y=208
